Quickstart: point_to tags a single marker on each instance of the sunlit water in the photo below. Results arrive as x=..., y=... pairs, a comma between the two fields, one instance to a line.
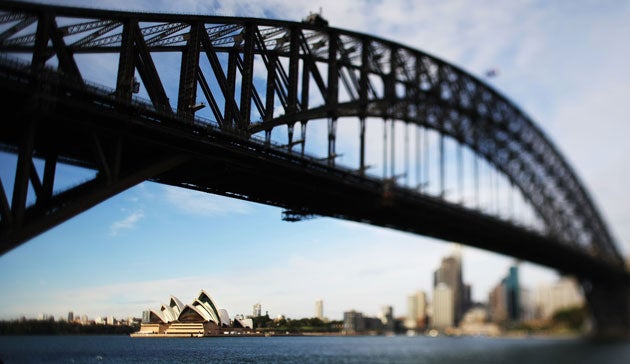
x=400, y=349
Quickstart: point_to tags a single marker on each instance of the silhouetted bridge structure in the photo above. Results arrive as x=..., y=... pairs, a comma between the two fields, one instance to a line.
x=396, y=137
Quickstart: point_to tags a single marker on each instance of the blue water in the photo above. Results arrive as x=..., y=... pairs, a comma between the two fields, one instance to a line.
x=122, y=349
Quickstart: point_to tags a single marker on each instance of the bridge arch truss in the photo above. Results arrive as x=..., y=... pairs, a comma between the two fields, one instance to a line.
x=259, y=75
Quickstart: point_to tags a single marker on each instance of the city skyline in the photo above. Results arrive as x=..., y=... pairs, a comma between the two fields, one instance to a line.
x=105, y=259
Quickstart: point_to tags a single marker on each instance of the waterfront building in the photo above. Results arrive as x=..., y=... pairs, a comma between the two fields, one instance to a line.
x=319, y=309
x=257, y=311
x=412, y=309
x=475, y=322
x=387, y=318
x=202, y=317
x=84, y=319
x=528, y=304
x=416, y=311
x=443, y=303
x=353, y=323
x=512, y=290
x=450, y=274
x=70, y=316
x=497, y=303
x=504, y=300
x=553, y=297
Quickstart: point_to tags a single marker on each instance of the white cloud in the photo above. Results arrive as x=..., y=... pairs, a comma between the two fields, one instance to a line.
x=204, y=204
x=127, y=223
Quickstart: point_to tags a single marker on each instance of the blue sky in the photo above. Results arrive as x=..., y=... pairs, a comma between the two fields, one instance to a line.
x=564, y=63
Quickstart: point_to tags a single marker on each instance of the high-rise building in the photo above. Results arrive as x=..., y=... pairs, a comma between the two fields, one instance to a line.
x=528, y=304
x=450, y=274
x=319, y=309
x=512, y=290
x=443, y=310
x=257, y=310
x=497, y=303
x=70, y=316
x=504, y=302
x=416, y=310
x=412, y=307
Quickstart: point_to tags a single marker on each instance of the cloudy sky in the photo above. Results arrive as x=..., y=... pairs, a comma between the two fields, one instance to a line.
x=564, y=63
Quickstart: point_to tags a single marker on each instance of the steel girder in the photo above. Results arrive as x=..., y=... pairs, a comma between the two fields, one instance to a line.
x=353, y=74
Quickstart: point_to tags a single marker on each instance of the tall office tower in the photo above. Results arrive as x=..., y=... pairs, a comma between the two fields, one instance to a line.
x=450, y=273
x=512, y=290
x=443, y=307
x=416, y=310
x=319, y=309
x=412, y=312
x=467, y=298
x=497, y=303
x=257, y=310
x=70, y=316
x=421, y=317
x=504, y=301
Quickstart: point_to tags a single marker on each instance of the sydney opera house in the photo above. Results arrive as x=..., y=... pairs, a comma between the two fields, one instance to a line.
x=200, y=318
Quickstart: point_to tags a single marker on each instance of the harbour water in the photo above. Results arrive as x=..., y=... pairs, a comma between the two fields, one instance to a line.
x=398, y=349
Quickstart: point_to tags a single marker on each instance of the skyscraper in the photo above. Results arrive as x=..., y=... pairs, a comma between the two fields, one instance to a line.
x=319, y=309
x=443, y=312
x=450, y=274
x=70, y=316
x=512, y=290
x=257, y=310
x=416, y=310
x=504, y=301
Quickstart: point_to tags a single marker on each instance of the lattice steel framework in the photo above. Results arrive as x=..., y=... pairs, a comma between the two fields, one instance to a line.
x=354, y=75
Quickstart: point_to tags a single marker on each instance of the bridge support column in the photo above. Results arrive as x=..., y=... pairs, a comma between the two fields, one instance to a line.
x=609, y=303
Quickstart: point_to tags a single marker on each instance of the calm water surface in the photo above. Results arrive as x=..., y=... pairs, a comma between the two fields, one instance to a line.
x=400, y=349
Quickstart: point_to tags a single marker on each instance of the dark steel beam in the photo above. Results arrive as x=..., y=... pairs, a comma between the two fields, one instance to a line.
x=188, y=74
x=67, y=64
x=231, y=115
x=70, y=203
x=247, y=77
x=23, y=171
x=231, y=107
x=5, y=209
x=124, y=80
x=294, y=63
x=214, y=106
x=40, y=48
x=148, y=72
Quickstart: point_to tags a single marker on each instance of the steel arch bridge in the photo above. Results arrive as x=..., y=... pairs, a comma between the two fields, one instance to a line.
x=260, y=78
